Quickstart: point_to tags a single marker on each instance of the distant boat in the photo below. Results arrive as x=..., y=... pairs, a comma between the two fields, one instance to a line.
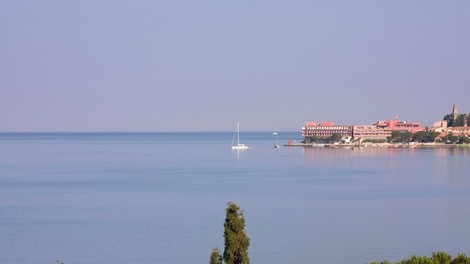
x=276, y=145
x=238, y=146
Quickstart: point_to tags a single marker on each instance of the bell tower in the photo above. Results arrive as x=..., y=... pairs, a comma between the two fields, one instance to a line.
x=455, y=114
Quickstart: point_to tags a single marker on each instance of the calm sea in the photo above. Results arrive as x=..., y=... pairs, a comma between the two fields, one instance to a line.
x=160, y=198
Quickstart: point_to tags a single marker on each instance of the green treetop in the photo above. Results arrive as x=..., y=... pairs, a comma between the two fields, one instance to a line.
x=216, y=258
x=236, y=240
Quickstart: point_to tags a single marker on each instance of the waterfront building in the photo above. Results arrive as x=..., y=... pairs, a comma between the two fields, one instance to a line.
x=456, y=131
x=441, y=124
x=325, y=130
x=370, y=132
x=380, y=130
x=460, y=131
x=399, y=125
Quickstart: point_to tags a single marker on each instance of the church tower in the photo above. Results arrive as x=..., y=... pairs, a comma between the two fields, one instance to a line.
x=455, y=114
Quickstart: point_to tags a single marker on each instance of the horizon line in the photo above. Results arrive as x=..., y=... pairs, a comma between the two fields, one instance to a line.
x=211, y=131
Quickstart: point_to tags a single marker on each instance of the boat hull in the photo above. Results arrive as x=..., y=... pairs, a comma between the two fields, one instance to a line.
x=240, y=147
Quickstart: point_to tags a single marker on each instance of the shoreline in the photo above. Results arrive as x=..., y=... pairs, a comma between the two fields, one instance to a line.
x=378, y=145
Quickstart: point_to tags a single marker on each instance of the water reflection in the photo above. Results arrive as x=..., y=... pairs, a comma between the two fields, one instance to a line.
x=400, y=165
x=357, y=151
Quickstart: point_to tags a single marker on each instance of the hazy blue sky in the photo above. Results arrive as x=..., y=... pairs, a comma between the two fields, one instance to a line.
x=204, y=65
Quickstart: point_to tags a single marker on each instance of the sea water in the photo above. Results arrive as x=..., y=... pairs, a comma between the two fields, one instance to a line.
x=161, y=198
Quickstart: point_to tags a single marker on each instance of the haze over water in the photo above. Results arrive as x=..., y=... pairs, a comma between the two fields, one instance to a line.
x=160, y=198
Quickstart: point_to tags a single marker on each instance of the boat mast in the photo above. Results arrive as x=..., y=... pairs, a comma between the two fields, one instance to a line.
x=238, y=134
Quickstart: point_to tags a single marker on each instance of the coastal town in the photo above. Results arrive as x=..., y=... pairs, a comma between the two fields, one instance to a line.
x=452, y=130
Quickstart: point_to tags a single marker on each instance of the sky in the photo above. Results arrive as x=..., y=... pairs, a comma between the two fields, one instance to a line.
x=115, y=65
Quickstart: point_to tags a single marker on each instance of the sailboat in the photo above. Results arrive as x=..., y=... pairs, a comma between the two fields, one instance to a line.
x=276, y=145
x=238, y=146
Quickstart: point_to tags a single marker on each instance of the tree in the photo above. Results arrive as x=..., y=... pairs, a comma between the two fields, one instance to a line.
x=335, y=137
x=437, y=258
x=216, y=258
x=459, y=121
x=407, y=136
x=417, y=260
x=236, y=240
x=432, y=136
x=449, y=120
x=419, y=136
x=464, y=139
x=312, y=139
x=401, y=136
x=461, y=259
x=441, y=257
x=451, y=138
x=425, y=136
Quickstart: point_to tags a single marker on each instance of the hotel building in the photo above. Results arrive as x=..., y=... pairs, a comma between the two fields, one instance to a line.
x=398, y=125
x=377, y=131
x=325, y=130
x=370, y=133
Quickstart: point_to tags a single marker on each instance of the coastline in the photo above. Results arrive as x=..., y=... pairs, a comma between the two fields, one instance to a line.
x=378, y=145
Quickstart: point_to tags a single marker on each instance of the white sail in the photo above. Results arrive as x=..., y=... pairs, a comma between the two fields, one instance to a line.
x=238, y=146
